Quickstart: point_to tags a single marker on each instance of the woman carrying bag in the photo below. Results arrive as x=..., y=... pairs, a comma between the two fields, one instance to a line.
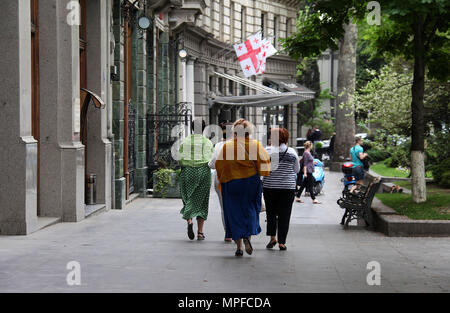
x=279, y=188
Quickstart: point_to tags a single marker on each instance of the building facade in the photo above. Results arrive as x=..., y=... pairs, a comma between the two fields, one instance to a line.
x=49, y=66
x=208, y=30
x=84, y=83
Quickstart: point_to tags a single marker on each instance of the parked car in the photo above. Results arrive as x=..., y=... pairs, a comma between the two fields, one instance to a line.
x=362, y=135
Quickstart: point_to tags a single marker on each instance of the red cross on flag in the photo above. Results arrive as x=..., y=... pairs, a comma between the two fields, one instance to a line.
x=267, y=50
x=249, y=55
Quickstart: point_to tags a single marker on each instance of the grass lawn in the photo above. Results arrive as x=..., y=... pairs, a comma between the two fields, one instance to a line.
x=382, y=169
x=437, y=206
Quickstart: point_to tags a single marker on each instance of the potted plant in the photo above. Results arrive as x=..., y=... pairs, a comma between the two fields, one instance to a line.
x=166, y=183
x=166, y=178
x=318, y=149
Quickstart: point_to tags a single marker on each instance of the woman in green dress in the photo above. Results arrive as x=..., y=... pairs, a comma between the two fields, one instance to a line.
x=195, y=179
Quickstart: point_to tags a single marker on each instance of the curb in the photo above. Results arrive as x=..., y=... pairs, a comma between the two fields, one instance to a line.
x=392, y=224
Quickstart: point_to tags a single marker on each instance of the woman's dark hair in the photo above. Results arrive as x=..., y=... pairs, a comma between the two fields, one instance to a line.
x=194, y=125
x=224, y=127
x=283, y=135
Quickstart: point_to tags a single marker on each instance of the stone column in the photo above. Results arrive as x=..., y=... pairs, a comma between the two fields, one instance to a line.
x=98, y=80
x=18, y=153
x=140, y=103
x=190, y=91
x=182, y=85
x=62, y=154
x=200, y=88
x=163, y=70
x=293, y=120
x=182, y=80
x=118, y=104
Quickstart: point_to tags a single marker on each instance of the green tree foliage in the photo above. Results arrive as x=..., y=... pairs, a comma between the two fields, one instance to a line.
x=395, y=35
x=386, y=100
x=320, y=26
x=418, y=30
x=309, y=76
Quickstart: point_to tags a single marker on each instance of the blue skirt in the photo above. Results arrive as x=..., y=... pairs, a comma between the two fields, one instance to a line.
x=242, y=206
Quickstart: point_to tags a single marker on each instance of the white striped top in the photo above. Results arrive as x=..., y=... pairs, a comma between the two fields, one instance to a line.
x=284, y=172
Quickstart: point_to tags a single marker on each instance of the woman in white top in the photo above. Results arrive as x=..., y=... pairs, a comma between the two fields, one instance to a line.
x=217, y=149
x=279, y=187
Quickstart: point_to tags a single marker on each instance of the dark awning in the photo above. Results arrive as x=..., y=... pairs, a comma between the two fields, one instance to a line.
x=268, y=97
x=286, y=85
x=266, y=100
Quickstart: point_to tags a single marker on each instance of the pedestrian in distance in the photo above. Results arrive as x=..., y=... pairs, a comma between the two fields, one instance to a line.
x=316, y=134
x=212, y=165
x=300, y=180
x=331, y=147
x=240, y=165
x=309, y=135
x=279, y=188
x=195, y=178
x=357, y=154
x=308, y=170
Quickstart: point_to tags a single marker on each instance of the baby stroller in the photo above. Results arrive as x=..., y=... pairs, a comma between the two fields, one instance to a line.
x=318, y=175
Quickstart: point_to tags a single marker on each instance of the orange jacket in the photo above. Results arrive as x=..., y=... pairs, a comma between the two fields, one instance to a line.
x=242, y=158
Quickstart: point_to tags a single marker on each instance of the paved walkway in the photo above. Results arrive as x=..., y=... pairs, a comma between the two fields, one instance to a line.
x=145, y=249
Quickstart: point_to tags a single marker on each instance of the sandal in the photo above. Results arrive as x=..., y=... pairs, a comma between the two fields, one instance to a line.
x=299, y=201
x=271, y=244
x=283, y=248
x=239, y=253
x=248, y=246
x=317, y=202
x=191, y=234
x=201, y=236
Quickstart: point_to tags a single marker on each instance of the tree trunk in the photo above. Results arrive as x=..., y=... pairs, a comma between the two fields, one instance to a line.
x=419, y=194
x=345, y=119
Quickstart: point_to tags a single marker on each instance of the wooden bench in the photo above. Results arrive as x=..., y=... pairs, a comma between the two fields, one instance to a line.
x=358, y=205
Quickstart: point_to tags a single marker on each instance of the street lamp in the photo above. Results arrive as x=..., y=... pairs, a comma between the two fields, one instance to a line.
x=182, y=54
x=144, y=22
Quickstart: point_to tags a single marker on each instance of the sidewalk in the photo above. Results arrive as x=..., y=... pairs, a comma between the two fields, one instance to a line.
x=145, y=249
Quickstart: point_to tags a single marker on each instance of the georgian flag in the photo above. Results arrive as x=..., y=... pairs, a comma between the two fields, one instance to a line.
x=267, y=50
x=249, y=55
